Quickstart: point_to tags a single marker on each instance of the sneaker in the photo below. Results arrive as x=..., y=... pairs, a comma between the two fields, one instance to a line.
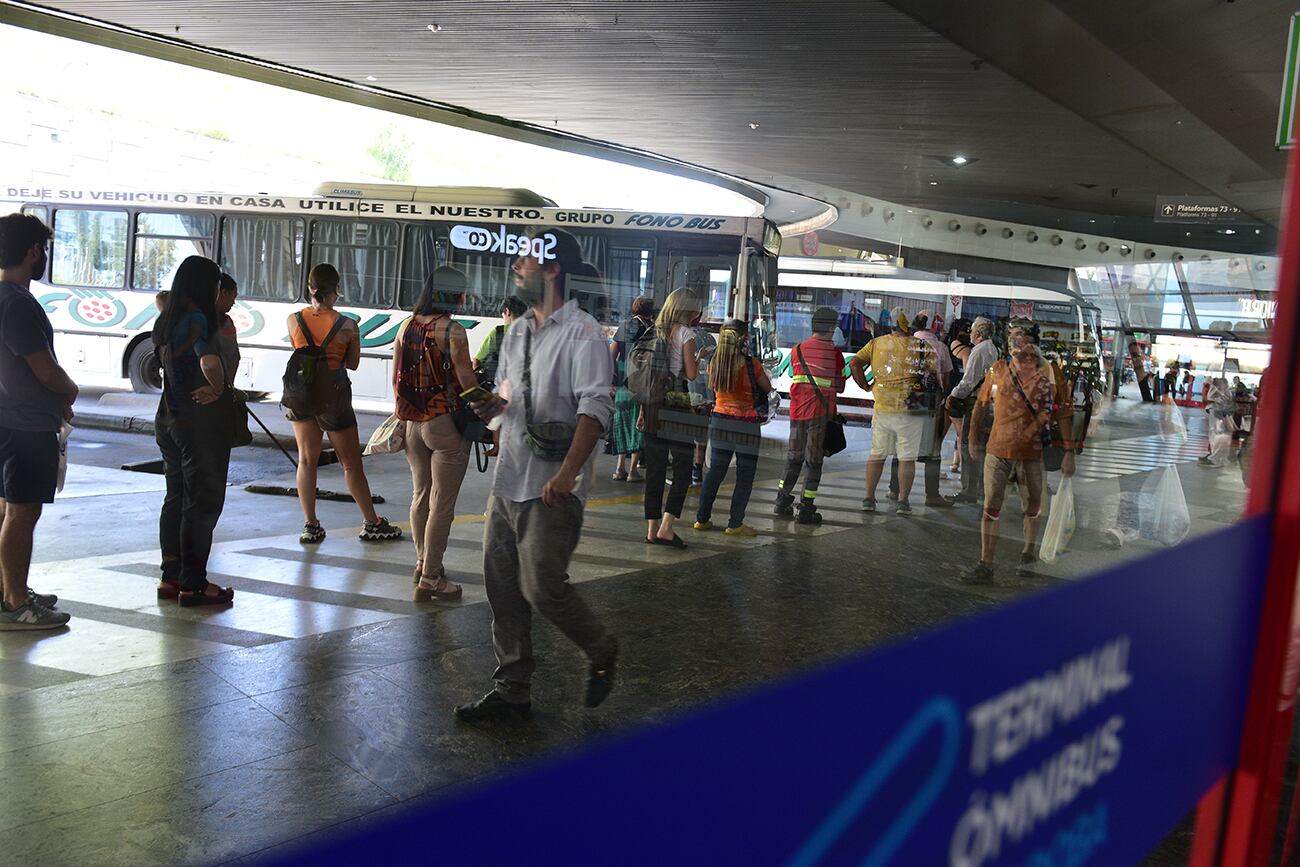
x=704, y=525
x=980, y=573
x=600, y=679
x=1206, y=461
x=938, y=503
x=892, y=495
x=312, y=534
x=32, y=616
x=697, y=475
x=902, y=507
x=380, y=531
x=965, y=500
x=493, y=708
x=869, y=504
x=742, y=530
x=1027, y=560
x=45, y=600
x=783, y=507
x=809, y=516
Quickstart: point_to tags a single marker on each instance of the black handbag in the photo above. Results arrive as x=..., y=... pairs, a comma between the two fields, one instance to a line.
x=467, y=422
x=549, y=441
x=834, y=441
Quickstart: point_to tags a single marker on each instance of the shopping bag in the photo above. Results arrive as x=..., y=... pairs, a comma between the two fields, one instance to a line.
x=1060, y=522
x=1221, y=431
x=1172, y=423
x=389, y=438
x=64, y=432
x=1162, y=513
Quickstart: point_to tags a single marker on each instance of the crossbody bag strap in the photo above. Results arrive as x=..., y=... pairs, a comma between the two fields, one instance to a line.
x=812, y=380
x=1016, y=380
x=528, y=376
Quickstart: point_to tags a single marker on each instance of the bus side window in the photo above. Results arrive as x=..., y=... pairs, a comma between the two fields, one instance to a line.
x=89, y=248
x=365, y=254
x=710, y=277
x=424, y=249
x=163, y=241
x=264, y=255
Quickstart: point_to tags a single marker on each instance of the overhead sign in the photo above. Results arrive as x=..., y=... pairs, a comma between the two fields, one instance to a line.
x=1076, y=726
x=1290, y=84
x=1197, y=209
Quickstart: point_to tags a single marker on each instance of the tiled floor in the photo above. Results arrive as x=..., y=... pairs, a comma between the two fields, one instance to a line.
x=153, y=734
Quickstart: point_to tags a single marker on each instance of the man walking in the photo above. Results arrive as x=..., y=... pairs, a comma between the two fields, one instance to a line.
x=817, y=375
x=36, y=396
x=963, y=395
x=900, y=364
x=1024, y=396
x=554, y=377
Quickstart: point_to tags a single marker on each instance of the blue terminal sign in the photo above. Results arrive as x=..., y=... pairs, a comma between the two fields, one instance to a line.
x=1077, y=726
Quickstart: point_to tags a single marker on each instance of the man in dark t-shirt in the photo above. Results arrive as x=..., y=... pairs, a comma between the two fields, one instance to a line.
x=36, y=397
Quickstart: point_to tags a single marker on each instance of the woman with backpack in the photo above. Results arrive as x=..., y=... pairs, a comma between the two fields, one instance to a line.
x=192, y=429
x=735, y=428
x=670, y=427
x=431, y=367
x=959, y=349
x=337, y=338
x=625, y=436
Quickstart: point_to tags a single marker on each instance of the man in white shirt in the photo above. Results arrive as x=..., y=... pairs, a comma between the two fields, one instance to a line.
x=982, y=357
x=555, y=404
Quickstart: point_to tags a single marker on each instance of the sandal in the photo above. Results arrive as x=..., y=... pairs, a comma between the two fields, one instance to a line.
x=380, y=531
x=619, y=476
x=168, y=589
x=427, y=594
x=674, y=542
x=222, y=596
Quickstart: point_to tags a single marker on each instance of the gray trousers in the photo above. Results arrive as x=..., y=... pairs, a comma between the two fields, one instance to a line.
x=972, y=469
x=526, y=551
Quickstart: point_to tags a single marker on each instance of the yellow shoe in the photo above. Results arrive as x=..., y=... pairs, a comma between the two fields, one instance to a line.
x=704, y=525
x=742, y=530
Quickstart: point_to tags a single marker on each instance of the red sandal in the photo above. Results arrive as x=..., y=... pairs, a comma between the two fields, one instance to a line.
x=190, y=598
x=168, y=589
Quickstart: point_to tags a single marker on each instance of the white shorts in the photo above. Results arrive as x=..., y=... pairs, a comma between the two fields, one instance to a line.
x=897, y=433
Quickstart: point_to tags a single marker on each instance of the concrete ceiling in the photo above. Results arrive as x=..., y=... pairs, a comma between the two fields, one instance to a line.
x=1075, y=113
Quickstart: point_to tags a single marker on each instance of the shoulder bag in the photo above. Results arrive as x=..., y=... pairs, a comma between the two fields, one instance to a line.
x=549, y=440
x=467, y=422
x=834, y=441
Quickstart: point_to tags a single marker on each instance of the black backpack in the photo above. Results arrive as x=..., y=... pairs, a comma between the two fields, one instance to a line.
x=309, y=385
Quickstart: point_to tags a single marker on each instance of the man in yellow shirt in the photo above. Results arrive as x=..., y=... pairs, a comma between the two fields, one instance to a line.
x=901, y=365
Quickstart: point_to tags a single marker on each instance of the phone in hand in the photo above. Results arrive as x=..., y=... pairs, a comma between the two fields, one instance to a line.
x=475, y=394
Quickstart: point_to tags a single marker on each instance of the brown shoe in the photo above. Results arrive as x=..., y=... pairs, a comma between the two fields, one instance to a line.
x=429, y=594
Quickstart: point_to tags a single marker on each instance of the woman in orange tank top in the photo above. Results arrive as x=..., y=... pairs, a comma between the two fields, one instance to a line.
x=734, y=426
x=339, y=422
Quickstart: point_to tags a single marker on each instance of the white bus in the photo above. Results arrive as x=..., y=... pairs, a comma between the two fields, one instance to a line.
x=113, y=250
x=862, y=291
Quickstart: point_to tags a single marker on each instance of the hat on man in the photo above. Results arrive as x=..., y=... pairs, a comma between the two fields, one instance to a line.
x=825, y=320
x=925, y=316
x=898, y=318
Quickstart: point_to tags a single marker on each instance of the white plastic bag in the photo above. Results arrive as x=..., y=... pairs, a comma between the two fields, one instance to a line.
x=1172, y=423
x=1060, y=522
x=64, y=432
x=1162, y=513
x=1221, y=431
x=389, y=438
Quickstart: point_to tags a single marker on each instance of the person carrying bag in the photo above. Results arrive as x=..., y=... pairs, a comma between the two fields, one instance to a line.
x=816, y=430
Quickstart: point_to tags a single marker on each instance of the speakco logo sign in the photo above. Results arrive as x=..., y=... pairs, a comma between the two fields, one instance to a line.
x=540, y=248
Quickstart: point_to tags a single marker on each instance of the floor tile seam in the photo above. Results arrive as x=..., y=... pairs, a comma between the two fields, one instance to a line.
x=243, y=696
x=315, y=742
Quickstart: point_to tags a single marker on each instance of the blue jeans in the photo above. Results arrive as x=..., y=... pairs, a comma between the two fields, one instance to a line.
x=730, y=436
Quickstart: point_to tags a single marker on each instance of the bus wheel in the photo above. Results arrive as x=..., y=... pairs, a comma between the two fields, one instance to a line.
x=144, y=369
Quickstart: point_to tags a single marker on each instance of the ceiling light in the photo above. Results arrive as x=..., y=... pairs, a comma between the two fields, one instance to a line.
x=753, y=124
x=435, y=28
x=934, y=183
x=1227, y=231
x=371, y=78
x=959, y=160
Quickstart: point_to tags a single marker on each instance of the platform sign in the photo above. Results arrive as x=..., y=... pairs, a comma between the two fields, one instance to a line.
x=1290, y=84
x=1076, y=726
x=1197, y=209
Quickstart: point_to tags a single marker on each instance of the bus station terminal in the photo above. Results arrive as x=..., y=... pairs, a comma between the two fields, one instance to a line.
x=393, y=464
